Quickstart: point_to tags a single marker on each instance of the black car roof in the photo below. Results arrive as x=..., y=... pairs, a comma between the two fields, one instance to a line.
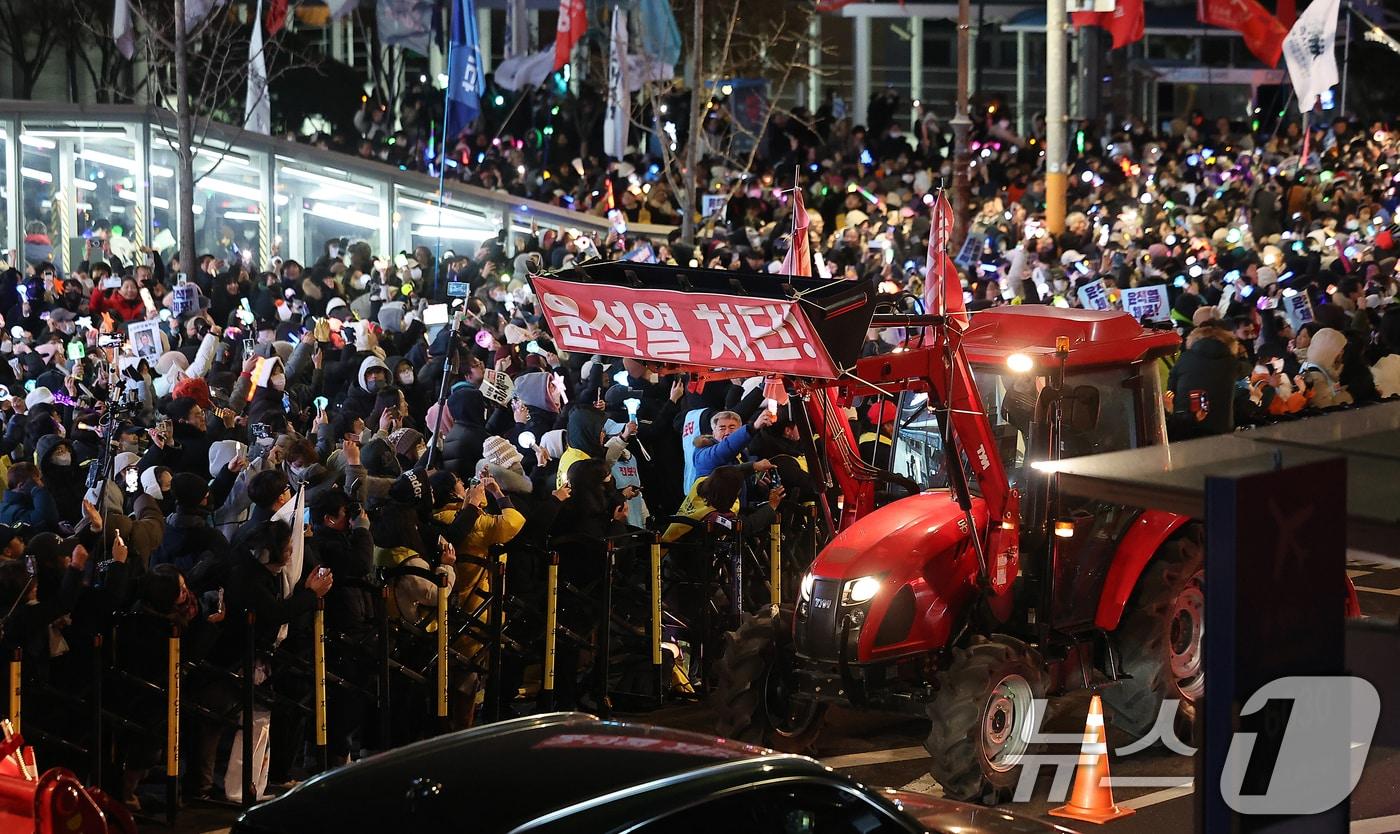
x=506, y=775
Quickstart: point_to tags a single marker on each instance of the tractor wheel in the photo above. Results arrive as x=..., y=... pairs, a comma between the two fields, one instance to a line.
x=754, y=699
x=1161, y=638
x=983, y=717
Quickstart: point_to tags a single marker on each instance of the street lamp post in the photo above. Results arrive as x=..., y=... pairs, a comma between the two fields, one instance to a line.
x=962, y=186
x=1055, y=173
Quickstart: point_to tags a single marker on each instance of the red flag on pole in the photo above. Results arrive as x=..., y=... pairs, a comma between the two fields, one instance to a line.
x=1262, y=32
x=573, y=20
x=943, y=293
x=1126, y=23
x=798, y=260
x=276, y=17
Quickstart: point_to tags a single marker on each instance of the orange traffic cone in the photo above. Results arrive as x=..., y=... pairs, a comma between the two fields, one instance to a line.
x=1092, y=799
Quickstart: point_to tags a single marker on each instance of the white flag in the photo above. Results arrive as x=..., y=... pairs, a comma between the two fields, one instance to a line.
x=257, y=108
x=619, y=113
x=122, y=31
x=340, y=8
x=525, y=71
x=1310, y=50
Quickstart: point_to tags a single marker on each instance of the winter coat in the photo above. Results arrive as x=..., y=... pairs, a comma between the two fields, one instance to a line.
x=1203, y=384
x=461, y=448
x=197, y=549
x=34, y=507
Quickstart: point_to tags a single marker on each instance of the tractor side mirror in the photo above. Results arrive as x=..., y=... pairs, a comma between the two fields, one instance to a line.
x=1082, y=408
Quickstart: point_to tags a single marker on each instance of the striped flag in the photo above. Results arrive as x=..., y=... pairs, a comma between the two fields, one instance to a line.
x=943, y=293
x=798, y=260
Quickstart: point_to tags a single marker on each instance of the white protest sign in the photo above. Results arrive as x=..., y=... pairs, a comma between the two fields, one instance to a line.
x=497, y=387
x=1147, y=302
x=1093, y=296
x=1298, y=309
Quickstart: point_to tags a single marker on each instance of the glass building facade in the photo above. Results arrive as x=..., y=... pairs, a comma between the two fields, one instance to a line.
x=68, y=169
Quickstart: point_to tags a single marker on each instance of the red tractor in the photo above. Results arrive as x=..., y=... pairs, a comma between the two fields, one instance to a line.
x=989, y=588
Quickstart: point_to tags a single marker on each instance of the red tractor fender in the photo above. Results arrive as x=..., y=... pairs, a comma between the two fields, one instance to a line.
x=1135, y=549
x=1138, y=545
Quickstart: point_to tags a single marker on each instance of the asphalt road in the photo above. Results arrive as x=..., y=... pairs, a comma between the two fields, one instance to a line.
x=884, y=750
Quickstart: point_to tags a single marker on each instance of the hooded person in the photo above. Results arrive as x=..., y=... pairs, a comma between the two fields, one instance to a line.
x=1322, y=370
x=405, y=377
x=372, y=376
x=461, y=447
x=540, y=396
x=63, y=478
x=223, y=454
x=269, y=391
x=155, y=484
x=142, y=522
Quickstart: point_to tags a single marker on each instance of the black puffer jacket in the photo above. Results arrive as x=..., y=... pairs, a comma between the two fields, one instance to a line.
x=1203, y=384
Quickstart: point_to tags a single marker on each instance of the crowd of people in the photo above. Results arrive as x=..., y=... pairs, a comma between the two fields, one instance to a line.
x=184, y=444
x=1228, y=215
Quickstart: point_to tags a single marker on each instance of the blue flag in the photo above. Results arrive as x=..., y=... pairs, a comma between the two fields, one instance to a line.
x=464, y=81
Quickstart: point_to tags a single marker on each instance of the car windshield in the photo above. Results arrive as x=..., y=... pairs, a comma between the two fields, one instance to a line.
x=1009, y=399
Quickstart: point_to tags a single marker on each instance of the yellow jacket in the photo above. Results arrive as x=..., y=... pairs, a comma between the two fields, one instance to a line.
x=694, y=508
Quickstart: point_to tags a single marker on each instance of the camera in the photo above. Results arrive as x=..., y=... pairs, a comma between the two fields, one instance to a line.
x=261, y=432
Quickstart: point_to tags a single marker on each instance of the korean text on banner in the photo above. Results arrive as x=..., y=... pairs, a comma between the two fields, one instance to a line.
x=709, y=330
x=1147, y=302
x=1093, y=296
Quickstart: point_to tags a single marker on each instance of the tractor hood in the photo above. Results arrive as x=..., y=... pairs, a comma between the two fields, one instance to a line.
x=919, y=548
x=898, y=536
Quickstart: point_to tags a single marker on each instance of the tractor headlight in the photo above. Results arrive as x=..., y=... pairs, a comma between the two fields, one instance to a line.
x=807, y=582
x=859, y=590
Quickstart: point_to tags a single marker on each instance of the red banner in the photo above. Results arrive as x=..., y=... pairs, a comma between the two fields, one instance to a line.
x=704, y=330
x=573, y=20
x=1263, y=33
x=1126, y=23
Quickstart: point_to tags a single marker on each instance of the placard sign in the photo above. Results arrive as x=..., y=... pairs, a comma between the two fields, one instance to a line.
x=1147, y=302
x=1298, y=309
x=497, y=387
x=1093, y=296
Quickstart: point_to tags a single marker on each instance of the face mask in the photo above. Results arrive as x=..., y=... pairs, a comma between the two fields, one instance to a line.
x=373, y=385
x=653, y=377
x=278, y=381
x=62, y=459
x=1060, y=284
x=406, y=377
x=1353, y=225
x=415, y=273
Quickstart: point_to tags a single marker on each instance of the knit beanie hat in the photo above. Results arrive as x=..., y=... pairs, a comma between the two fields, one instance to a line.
x=500, y=452
x=412, y=487
x=405, y=441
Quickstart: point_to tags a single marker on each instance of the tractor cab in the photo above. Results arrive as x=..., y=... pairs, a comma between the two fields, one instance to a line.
x=1109, y=372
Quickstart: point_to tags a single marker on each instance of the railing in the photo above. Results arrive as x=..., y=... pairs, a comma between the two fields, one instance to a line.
x=619, y=613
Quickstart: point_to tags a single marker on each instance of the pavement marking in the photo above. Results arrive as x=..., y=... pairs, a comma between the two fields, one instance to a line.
x=897, y=754
x=1394, y=592
x=1156, y=797
x=1376, y=825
